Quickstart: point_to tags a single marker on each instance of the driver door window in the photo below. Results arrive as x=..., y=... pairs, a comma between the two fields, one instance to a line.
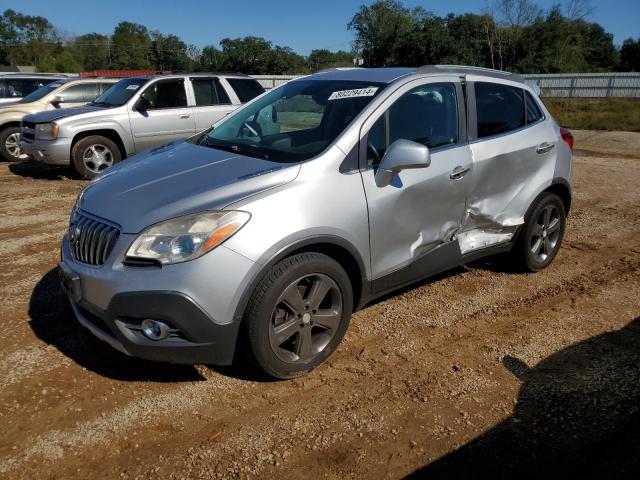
x=165, y=94
x=427, y=114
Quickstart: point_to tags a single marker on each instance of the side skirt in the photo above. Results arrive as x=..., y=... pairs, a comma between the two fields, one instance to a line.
x=445, y=257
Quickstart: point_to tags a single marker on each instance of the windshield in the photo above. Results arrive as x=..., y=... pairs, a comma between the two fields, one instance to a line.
x=120, y=93
x=294, y=122
x=42, y=91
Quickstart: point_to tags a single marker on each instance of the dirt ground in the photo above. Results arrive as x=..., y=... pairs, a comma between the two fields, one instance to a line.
x=478, y=371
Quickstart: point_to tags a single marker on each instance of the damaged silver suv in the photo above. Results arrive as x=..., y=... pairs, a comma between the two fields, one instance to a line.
x=307, y=203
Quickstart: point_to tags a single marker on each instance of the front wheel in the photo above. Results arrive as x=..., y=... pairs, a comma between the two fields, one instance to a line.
x=298, y=314
x=9, y=145
x=94, y=154
x=542, y=233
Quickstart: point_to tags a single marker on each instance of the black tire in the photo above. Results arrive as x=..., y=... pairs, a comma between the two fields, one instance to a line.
x=101, y=146
x=528, y=253
x=6, y=134
x=267, y=312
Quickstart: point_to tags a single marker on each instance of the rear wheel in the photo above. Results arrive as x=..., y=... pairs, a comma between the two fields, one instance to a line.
x=299, y=314
x=9, y=144
x=542, y=233
x=94, y=154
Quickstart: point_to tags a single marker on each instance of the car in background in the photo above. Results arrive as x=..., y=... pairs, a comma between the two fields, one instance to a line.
x=307, y=204
x=14, y=86
x=134, y=115
x=61, y=93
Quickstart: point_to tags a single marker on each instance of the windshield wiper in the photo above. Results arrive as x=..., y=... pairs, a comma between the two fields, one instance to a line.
x=235, y=149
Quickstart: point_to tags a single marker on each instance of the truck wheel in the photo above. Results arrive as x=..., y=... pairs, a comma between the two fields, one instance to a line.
x=298, y=314
x=542, y=233
x=9, y=146
x=94, y=154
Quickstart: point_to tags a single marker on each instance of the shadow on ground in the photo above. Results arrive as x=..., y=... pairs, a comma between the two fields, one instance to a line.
x=578, y=415
x=33, y=169
x=53, y=321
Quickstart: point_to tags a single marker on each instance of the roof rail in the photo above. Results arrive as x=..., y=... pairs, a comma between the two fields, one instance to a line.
x=463, y=69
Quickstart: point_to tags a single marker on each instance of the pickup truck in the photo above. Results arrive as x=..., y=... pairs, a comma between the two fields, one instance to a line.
x=134, y=115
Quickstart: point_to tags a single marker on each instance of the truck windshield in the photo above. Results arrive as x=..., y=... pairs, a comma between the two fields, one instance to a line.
x=120, y=93
x=293, y=122
x=43, y=91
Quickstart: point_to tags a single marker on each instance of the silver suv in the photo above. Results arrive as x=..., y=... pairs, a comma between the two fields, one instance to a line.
x=307, y=203
x=134, y=115
x=62, y=93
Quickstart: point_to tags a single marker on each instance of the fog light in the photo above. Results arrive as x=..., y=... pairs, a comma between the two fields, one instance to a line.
x=154, y=329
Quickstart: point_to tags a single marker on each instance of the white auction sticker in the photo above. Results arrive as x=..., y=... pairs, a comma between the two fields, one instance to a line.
x=133, y=87
x=358, y=92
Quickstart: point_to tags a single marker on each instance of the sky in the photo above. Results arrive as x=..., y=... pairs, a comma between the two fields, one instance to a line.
x=302, y=25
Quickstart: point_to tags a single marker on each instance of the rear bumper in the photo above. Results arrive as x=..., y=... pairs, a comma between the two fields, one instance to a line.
x=53, y=152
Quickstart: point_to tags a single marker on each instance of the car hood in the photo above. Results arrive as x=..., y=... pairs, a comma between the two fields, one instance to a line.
x=53, y=115
x=178, y=179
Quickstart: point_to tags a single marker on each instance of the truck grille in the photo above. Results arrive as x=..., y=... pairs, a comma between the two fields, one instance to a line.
x=91, y=240
x=28, y=131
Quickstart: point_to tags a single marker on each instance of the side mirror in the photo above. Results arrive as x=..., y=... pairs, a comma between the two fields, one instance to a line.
x=57, y=99
x=142, y=105
x=401, y=155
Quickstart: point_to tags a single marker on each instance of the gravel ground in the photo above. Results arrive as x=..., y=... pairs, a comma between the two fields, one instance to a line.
x=479, y=371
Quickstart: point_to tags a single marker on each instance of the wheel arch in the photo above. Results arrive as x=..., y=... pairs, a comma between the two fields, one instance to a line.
x=9, y=124
x=334, y=247
x=562, y=189
x=104, y=132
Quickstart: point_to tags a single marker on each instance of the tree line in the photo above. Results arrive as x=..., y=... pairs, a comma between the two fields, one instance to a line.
x=514, y=35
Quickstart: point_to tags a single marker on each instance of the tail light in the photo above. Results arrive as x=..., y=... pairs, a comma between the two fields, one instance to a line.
x=567, y=136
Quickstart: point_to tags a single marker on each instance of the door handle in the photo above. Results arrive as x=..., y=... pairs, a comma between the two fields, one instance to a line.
x=459, y=172
x=544, y=148
x=185, y=115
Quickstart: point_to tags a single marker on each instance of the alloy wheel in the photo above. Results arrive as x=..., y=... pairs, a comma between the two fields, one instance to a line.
x=12, y=145
x=545, y=233
x=306, y=318
x=97, y=157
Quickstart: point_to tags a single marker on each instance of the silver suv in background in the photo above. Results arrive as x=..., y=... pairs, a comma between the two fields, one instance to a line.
x=61, y=93
x=14, y=86
x=309, y=202
x=134, y=115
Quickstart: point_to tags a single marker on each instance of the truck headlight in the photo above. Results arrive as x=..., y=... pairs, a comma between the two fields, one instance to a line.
x=188, y=237
x=46, y=131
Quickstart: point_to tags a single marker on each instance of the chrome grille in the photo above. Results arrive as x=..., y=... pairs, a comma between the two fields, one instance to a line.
x=91, y=240
x=28, y=131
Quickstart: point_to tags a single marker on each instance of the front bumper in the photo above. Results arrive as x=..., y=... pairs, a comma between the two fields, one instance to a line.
x=112, y=300
x=52, y=152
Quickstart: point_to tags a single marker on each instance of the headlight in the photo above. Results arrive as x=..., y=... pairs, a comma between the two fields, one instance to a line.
x=188, y=237
x=46, y=131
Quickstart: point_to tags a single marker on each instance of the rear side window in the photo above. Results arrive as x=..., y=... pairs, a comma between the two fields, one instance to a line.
x=533, y=110
x=166, y=94
x=246, y=89
x=208, y=91
x=500, y=108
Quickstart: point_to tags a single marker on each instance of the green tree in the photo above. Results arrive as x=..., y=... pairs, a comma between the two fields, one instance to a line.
x=26, y=39
x=92, y=51
x=381, y=31
x=131, y=46
x=247, y=55
x=168, y=52
x=211, y=59
x=630, y=55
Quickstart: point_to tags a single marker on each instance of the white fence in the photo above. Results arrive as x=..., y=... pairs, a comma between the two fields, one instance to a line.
x=586, y=85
